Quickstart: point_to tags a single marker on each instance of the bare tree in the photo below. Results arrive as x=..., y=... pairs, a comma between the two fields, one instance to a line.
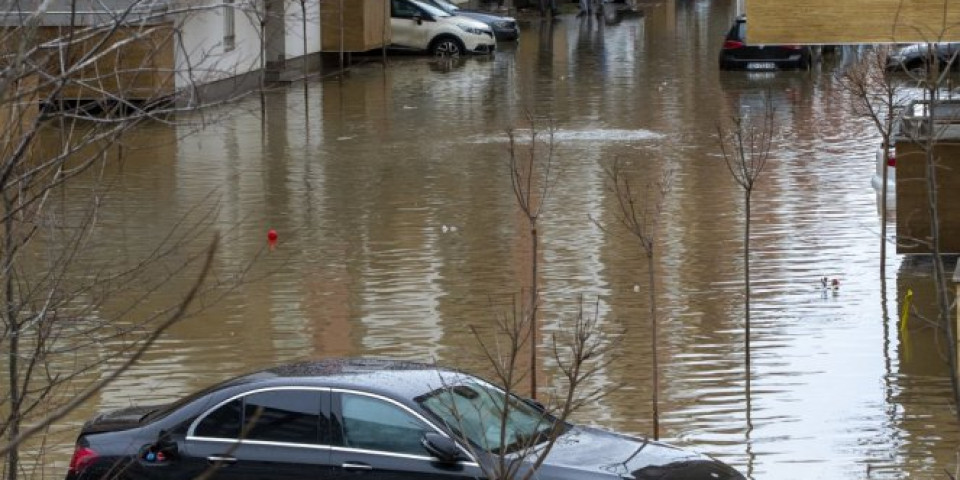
x=878, y=96
x=745, y=145
x=71, y=322
x=580, y=349
x=532, y=175
x=640, y=214
x=489, y=423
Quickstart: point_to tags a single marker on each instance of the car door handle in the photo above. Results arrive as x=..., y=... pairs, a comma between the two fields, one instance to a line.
x=356, y=466
x=221, y=459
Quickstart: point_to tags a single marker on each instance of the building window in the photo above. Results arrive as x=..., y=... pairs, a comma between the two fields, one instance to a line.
x=229, y=25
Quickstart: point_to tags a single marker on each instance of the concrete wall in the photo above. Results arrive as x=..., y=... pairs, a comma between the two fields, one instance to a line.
x=223, y=73
x=202, y=58
x=294, y=23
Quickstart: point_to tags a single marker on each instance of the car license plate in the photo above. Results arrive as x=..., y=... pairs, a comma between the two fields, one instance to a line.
x=760, y=66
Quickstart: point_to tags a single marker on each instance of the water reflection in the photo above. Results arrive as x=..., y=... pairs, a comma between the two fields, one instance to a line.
x=398, y=230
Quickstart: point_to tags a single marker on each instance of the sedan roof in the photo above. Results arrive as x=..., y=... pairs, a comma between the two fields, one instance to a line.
x=395, y=378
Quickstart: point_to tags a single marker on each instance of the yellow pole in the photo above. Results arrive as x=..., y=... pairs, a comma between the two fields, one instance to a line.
x=904, y=331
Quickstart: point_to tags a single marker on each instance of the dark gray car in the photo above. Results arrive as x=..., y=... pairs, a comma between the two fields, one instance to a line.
x=916, y=56
x=504, y=28
x=363, y=418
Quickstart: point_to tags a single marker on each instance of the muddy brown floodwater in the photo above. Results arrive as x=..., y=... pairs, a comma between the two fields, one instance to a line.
x=398, y=229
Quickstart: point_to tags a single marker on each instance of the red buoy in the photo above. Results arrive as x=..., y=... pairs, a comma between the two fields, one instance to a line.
x=272, y=238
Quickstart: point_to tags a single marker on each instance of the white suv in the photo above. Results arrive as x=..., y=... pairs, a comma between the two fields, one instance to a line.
x=418, y=26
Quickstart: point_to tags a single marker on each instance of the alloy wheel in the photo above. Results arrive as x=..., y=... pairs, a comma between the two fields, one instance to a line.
x=447, y=48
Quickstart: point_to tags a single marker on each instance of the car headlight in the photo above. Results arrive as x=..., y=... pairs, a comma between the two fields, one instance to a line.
x=469, y=29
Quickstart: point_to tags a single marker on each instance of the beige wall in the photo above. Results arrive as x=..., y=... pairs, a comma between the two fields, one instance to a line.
x=913, y=219
x=851, y=21
x=140, y=70
x=365, y=25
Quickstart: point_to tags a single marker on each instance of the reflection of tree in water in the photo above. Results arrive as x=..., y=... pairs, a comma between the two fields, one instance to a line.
x=545, y=48
x=614, y=13
x=590, y=50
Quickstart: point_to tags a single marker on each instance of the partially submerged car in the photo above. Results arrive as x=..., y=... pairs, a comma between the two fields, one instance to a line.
x=377, y=418
x=504, y=28
x=737, y=54
x=917, y=56
x=420, y=27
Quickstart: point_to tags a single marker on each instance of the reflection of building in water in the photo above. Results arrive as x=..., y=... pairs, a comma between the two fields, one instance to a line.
x=401, y=292
x=918, y=387
x=921, y=349
x=661, y=16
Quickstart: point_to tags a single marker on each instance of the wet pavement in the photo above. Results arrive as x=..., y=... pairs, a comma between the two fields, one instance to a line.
x=398, y=229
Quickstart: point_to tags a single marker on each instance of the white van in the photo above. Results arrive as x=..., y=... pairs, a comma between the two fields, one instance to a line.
x=421, y=27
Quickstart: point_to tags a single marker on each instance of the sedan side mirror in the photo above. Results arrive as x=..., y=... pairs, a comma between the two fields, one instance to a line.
x=441, y=447
x=419, y=19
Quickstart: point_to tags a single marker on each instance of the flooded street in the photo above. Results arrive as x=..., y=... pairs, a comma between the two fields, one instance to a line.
x=398, y=229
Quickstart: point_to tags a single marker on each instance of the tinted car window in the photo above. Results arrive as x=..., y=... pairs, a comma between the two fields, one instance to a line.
x=402, y=9
x=224, y=422
x=373, y=424
x=431, y=10
x=291, y=416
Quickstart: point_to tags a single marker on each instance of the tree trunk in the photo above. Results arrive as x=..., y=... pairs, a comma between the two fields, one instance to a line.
x=13, y=334
x=653, y=345
x=746, y=299
x=534, y=244
x=883, y=206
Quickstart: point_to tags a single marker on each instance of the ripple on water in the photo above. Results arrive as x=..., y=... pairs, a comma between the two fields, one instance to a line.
x=600, y=135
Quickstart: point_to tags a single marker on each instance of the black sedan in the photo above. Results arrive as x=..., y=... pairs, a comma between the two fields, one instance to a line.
x=737, y=54
x=376, y=418
x=504, y=28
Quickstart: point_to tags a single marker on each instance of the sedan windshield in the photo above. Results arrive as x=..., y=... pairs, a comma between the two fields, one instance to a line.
x=475, y=411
